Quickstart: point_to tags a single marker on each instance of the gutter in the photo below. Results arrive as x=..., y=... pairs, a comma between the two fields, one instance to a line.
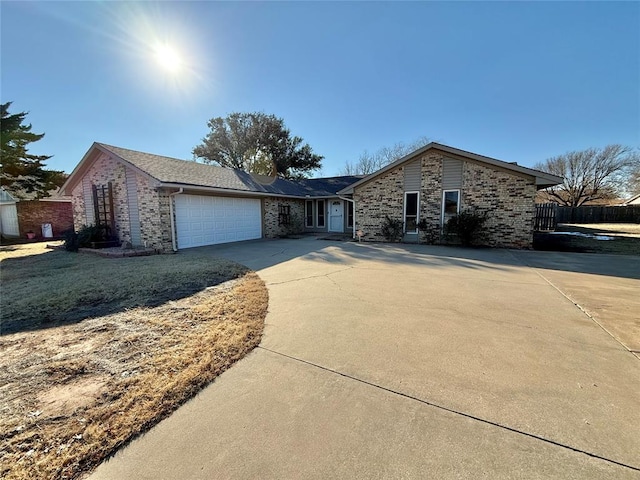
x=174, y=245
x=353, y=234
x=228, y=191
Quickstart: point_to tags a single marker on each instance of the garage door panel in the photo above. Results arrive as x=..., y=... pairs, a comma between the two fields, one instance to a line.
x=203, y=220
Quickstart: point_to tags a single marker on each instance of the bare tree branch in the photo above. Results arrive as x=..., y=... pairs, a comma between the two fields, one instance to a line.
x=591, y=174
x=368, y=163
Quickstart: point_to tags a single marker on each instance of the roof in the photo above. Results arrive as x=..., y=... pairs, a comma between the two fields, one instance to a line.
x=173, y=172
x=542, y=179
x=6, y=197
x=633, y=200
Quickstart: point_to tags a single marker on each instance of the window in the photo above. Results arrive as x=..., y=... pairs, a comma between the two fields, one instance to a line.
x=320, y=214
x=450, y=204
x=349, y=214
x=308, y=213
x=411, y=212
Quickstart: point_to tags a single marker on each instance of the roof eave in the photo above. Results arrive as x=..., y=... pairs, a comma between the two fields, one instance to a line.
x=87, y=159
x=228, y=191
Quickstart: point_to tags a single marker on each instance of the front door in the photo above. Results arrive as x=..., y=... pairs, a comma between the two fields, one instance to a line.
x=336, y=213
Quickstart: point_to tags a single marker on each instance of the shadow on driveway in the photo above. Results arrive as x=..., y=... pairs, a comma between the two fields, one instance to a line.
x=260, y=254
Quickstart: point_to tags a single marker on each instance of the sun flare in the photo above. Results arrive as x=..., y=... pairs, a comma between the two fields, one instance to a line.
x=168, y=58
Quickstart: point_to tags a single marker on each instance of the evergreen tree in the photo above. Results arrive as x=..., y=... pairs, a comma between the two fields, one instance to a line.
x=23, y=173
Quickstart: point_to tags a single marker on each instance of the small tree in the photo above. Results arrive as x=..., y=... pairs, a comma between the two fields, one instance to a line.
x=392, y=229
x=468, y=226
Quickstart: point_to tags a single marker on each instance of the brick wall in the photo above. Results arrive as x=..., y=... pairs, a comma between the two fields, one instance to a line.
x=33, y=213
x=103, y=171
x=383, y=196
x=507, y=197
x=270, y=227
x=153, y=204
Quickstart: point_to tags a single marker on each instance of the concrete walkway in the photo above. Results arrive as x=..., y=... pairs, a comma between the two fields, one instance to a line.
x=396, y=361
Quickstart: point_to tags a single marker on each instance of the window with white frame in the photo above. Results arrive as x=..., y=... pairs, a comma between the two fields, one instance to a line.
x=411, y=204
x=349, y=214
x=308, y=213
x=450, y=204
x=320, y=213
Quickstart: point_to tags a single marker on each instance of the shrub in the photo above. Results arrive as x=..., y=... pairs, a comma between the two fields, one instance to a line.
x=392, y=229
x=468, y=226
x=83, y=238
x=430, y=233
x=71, y=241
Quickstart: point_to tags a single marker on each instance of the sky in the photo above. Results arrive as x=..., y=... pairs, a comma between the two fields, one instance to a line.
x=517, y=81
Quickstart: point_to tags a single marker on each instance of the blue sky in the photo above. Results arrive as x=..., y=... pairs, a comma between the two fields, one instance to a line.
x=516, y=81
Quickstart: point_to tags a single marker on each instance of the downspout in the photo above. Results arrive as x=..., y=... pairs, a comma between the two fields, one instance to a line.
x=353, y=234
x=173, y=222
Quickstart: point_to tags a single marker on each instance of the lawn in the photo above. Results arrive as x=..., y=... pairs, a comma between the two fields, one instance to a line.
x=614, y=238
x=96, y=350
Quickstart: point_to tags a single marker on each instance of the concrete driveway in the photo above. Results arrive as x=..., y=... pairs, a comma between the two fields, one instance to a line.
x=396, y=361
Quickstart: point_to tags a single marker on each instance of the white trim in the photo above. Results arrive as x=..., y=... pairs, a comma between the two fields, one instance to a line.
x=404, y=212
x=174, y=244
x=324, y=213
x=442, y=206
x=352, y=202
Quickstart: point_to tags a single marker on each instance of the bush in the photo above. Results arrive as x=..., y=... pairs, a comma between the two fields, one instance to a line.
x=71, y=241
x=83, y=238
x=468, y=227
x=391, y=229
x=430, y=233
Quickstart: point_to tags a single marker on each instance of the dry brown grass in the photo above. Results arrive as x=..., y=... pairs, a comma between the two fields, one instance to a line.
x=73, y=394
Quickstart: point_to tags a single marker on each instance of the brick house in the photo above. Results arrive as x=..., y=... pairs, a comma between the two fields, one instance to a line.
x=22, y=216
x=436, y=182
x=172, y=204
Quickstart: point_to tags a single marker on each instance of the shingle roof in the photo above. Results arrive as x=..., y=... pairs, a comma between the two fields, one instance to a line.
x=191, y=173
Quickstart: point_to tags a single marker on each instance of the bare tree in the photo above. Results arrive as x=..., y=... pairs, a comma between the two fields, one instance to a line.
x=368, y=162
x=592, y=174
x=633, y=182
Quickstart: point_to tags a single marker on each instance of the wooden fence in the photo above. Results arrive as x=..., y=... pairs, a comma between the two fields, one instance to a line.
x=545, y=216
x=548, y=215
x=597, y=214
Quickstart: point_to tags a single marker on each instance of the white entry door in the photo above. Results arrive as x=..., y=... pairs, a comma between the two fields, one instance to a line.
x=203, y=220
x=336, y=216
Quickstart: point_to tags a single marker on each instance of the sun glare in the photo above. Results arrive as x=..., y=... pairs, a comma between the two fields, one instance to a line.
x=168, y=58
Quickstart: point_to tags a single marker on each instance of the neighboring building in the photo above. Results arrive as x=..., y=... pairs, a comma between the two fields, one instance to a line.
x=171, y=204
x=19, y=217
x=635, y=200
x=8, y=215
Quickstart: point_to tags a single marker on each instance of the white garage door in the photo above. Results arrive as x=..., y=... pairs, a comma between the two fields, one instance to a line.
x=204, y=220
